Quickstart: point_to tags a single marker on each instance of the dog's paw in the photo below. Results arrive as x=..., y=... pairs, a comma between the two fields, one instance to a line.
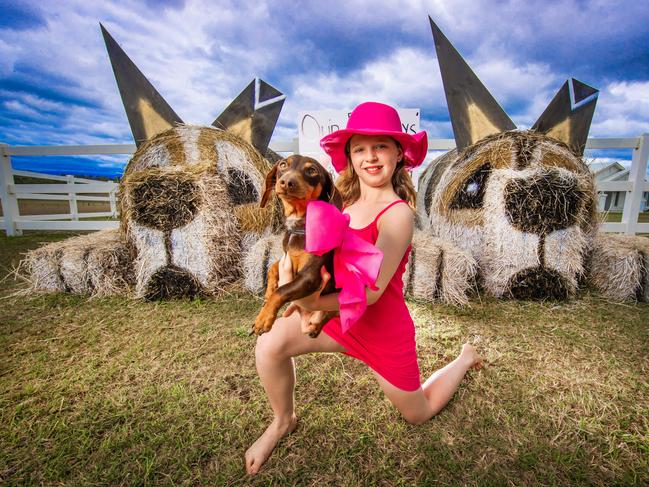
x=263, y=323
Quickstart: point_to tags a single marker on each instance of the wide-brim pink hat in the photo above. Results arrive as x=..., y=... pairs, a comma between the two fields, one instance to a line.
x=373, y=118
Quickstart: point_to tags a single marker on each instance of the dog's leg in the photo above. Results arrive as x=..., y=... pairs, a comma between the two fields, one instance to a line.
x=318, y=320
x=273, y=280
x=303, y=285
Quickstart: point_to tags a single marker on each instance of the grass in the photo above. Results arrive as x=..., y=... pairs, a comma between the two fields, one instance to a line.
x=616, y=217
x=117, y=391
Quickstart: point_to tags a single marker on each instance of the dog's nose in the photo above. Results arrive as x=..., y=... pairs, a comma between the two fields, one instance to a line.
x=288, y=183
x=545, y=202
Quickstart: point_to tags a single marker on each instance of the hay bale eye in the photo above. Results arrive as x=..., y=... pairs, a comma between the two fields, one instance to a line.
x=471, y=194
x=240, y=187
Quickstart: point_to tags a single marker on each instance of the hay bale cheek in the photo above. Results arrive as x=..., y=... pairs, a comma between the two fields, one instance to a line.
x=507, y=250
x=151, y=254
x=565, y=252
x=191, y=250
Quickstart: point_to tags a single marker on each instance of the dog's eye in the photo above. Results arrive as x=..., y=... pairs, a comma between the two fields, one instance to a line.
x=312, y=171
x=471, y=194
x=282, y=165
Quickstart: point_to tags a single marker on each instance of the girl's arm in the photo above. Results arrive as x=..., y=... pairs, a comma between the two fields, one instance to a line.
x=396, y=227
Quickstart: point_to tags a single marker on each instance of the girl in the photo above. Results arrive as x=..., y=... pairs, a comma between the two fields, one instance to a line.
x=371, y=155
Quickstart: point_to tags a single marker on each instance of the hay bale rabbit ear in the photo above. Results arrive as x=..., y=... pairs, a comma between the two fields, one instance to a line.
x=569, y=115
x=271, y=179
x=475, y=113
x=147, y=111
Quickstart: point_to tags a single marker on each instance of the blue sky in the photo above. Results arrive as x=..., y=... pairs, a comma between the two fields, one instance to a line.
x=57, y=86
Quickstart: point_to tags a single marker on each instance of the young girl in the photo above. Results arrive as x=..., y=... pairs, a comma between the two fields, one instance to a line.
x=371, y=155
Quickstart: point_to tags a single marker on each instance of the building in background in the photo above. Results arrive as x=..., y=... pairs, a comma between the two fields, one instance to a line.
x=614, y=200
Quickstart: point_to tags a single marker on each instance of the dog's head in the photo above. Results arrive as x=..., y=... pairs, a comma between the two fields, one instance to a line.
x=298, y=180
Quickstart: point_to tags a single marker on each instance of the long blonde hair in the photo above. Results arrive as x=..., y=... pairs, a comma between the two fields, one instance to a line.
x=350, y=188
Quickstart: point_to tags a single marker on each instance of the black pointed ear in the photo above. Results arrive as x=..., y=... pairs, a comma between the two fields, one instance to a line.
x=474, y=112
x=253, y=114
x=147, y=112
x=569, y=114
x=271, y=179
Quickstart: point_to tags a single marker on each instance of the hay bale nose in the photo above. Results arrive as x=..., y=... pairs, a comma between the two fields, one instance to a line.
x=165, y=202
x=544, y=202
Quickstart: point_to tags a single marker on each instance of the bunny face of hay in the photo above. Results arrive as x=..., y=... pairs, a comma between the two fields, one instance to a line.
x=522, y=204
x=187, y=196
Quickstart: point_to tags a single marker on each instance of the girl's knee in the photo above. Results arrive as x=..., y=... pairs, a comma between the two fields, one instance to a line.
x=272, y=343
x=415, y=418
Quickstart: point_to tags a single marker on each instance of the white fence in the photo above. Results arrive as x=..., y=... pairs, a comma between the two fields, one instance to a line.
x=78, y=189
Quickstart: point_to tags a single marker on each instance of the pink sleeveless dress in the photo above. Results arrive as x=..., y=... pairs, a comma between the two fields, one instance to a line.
x=384, y=337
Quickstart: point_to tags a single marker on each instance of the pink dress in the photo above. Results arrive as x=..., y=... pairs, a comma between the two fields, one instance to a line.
x=384, y=337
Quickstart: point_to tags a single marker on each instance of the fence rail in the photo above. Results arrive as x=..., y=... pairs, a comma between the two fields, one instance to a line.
x=73, y=189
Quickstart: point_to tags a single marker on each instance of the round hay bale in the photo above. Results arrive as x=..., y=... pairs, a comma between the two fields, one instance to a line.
x=96, y=263
x=110, y=269
x=257, y=261
x=438, y=271
x=619, y=267
x=42, y=268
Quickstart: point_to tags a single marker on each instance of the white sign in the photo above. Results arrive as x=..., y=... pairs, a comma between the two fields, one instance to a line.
x=313, y=125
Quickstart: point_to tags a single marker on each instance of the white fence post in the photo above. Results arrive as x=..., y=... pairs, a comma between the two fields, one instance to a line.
x=72, y=198
x=113, y=203
x=637, y=179
x=10, y=208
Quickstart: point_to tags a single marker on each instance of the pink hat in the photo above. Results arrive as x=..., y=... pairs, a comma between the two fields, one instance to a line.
x=373, y=118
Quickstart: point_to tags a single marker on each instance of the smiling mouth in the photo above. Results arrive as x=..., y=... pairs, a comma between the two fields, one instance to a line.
x=373, y=169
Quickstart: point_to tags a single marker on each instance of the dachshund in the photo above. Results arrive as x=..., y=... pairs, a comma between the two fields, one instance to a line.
x=298, y=180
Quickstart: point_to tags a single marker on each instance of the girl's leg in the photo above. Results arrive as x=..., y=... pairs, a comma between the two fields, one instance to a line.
x=274, y=354
x=418, y=406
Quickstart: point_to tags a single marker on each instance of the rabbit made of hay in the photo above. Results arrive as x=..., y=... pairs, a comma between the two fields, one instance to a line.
x=523, y=203
x=187, y=199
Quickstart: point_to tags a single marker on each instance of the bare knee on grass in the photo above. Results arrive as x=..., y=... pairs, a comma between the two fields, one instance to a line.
x=412, y=405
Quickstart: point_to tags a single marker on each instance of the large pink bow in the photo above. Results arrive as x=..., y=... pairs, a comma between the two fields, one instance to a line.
x=356, y=261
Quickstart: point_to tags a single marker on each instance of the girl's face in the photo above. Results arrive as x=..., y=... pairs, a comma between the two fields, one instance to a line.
x=374, y=158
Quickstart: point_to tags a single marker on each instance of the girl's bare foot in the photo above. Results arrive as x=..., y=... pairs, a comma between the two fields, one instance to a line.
x=470, y=355
x=261, y=449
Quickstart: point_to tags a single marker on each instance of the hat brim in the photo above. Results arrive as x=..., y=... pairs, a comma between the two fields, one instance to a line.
x=414, y=146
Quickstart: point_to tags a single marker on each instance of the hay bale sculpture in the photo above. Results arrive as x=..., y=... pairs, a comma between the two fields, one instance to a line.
x=188, y=199
x=523, y=203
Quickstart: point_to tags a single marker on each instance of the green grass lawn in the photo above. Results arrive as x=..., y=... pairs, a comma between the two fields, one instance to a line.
x=117, y=391
x=616, y=217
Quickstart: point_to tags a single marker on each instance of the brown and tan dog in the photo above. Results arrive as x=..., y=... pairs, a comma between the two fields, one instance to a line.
x=298, y=180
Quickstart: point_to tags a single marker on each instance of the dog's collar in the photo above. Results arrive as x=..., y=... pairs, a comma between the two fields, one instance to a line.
x=295, y=225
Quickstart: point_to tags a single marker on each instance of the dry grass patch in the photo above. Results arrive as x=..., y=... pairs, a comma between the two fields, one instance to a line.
x=117, y=391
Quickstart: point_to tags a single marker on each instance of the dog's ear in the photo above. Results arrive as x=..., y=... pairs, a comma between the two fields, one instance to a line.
x=271, y=179
x=330, y=193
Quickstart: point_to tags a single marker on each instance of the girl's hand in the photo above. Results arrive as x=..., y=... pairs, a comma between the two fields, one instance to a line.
x=285, y=270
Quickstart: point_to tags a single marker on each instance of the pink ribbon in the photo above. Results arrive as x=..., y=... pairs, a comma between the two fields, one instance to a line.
x=356, y=261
